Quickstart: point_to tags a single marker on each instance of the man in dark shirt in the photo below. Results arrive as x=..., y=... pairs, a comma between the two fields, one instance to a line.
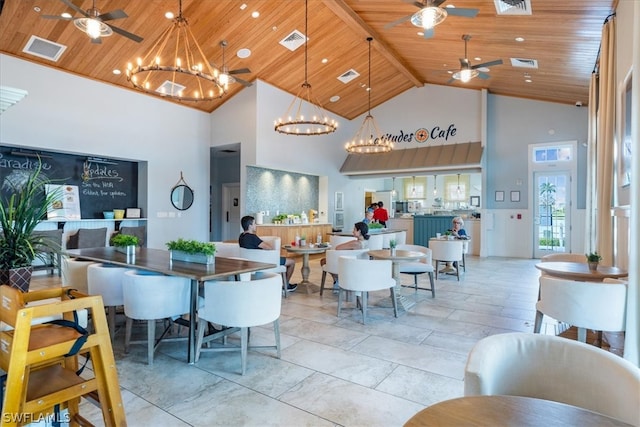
x=249, y=240
x=381, y=215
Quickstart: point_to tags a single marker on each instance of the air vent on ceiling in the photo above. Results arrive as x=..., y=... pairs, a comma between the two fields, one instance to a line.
x=10, y=96
x=347, y=76
x=170, y=88
x=513, y=7
x=44, y=48
x=524, y=63
x=293, y=40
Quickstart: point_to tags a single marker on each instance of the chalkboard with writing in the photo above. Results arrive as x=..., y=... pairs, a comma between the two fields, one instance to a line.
x=103, y=184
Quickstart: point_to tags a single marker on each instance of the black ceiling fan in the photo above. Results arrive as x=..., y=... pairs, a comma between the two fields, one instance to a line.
x=94, y=24
x=431, y=14
x=231, y=74
x=468, y=71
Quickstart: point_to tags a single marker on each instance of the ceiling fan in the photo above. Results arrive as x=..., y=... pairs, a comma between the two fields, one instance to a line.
x=231, y=75
x=468, y=71
x=94, y=24
x=431, y=14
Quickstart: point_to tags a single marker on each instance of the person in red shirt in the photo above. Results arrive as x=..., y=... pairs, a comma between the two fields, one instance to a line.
x=381, y=215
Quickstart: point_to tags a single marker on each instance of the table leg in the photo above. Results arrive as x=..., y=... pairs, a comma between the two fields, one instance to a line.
x=191, y=344
x=401, y=300
x=305, y=272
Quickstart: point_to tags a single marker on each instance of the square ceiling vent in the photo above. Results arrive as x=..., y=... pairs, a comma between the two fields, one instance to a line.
x=513, y=7
x=524, y=63
x=43, y=48
x=170, y=88
x=349, y=75
x=293, y=40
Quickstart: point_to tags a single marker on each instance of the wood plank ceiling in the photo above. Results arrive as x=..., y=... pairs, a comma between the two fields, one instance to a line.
x=562, y=36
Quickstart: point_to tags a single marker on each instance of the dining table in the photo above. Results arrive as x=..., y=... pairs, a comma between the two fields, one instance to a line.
x=306, y=250
x=159, y=261
x=580, y=271
x=508, y=411
x=397, y=257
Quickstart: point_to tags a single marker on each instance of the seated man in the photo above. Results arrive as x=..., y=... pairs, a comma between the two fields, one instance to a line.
x=249, y=240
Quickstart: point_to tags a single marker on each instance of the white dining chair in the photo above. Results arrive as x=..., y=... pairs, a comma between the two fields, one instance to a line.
x=332, y=266
x=446, y=251
x=74, y=273
x=268, y=256
x=240, y=304
x=401, y=237
x=386, y=240
x=375, y=242
x=106, y=280
x=422, y=266
x=338, y=240
x=585, y=305
x=151, y=297
x=364, y=276
x=554, y=368
x=227, y=249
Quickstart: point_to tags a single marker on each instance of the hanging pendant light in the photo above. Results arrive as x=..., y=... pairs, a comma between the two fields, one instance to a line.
x=393, y=186
x=458, y=189
x=413, y=191
x=435, y=189
x=369, y=139
x=305, y=115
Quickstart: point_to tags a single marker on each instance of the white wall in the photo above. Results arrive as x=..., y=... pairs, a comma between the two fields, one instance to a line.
x=63, y=112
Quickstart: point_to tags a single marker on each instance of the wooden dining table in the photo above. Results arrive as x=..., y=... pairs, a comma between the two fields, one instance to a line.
x=158, y=261
x=306, y=250
x=397, y=258
x=580, y=271
x=508, y=411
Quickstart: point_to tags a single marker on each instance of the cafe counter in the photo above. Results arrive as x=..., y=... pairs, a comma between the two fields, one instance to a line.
x=288, y=232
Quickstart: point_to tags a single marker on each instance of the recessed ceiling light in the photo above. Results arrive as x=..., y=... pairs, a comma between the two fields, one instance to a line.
x=255, y=14
x=528, y=80
x=37, y=9
x=243, y=6
x=334, y=98
x=66, y=15
x=243, y=53
x=519, y=39
x=169, y=15
x=325, y=60
x=420, y=33
x=116, y=72
x=477, y=58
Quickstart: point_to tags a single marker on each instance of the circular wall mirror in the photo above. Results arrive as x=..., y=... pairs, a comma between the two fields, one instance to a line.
x=182, y=197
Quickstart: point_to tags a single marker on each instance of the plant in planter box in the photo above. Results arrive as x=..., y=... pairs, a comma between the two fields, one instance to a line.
x=192, y=251
x=122, y=240
x=20, y=213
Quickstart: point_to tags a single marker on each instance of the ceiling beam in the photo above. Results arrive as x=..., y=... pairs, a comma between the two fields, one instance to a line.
x=350, y=18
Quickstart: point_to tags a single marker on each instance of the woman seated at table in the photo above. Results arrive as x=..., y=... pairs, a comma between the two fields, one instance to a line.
x=361, y=233
x=459, y=233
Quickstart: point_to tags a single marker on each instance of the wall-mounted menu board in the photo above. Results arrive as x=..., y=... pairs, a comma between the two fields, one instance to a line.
x=103, y=184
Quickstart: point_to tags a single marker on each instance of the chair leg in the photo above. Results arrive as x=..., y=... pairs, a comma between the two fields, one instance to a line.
x=340, y=291
x=285, y=284
x=394, y=301
x=112, y=321
x=538, y=323
x=437, y=266
x=363, y=302
x=433, y=285
x=415, y=282
x=127, y=334
x=324, y=277
x=244, y=337
x=276, y=332
x=202, y=325
x=151, y=340
x=458, y=273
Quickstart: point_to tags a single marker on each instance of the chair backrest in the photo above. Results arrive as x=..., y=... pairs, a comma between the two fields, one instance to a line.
x=140, y=232
x=338, y=240
x=401, y=237
x=557, y=369
x=375, y=242
x=274, y=241
x=333, y=256
x=593, y=305
x=88, y=238
x=150, y=295
x=242, y=303
x=262, y=255
x=417, y=248
x=446, y=250
x=562, y=257
x=227, y=249
x=106, y=280
x=364, y=274
x=74, y=274
x=51, y=241
x=386, y=238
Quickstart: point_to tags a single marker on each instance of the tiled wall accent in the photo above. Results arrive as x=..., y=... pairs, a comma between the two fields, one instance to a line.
x=280, y=191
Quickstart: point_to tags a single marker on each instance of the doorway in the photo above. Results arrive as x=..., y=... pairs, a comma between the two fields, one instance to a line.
x=230, y=211
x=552, y=217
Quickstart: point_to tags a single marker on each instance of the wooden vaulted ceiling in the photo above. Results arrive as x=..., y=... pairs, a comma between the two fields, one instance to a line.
x=562, y=36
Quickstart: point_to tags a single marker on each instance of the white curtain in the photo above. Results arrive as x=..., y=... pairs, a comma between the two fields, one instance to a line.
x=590, y=220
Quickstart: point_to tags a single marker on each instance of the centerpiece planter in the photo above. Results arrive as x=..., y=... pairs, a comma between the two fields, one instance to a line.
x=192, y=251
x=126, y=244
x=593, y=258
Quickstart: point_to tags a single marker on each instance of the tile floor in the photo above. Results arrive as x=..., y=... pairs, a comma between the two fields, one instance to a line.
x=334, y=371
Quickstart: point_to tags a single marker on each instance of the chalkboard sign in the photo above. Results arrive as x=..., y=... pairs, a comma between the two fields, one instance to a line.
x=103, y=184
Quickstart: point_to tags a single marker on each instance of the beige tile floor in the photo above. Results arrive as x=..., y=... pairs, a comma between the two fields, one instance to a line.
x=334, y=371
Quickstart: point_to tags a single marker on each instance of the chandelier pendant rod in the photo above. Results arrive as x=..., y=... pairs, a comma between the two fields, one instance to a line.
x=306, y=41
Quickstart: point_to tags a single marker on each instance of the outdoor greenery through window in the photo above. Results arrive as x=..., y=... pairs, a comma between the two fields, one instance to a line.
x=553, y=205
x=552, y=154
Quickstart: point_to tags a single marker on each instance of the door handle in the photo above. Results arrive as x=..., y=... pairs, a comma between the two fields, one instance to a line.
x=227, y=216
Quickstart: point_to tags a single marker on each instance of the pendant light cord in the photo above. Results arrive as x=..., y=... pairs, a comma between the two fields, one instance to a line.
x=306, y=41
x=369, y=39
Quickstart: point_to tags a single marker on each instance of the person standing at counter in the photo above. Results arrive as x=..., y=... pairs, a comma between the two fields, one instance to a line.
x=249, y=240
x=381, y=215
x=368, y=216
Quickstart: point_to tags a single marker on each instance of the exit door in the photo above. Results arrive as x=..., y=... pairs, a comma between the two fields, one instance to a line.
x=231, y=227
x=552, y=217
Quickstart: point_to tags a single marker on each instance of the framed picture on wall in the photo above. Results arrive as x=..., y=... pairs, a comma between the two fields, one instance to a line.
x=499, y=196
x=475, y=201
x=515, y=196
x=339, y=200
x=338, y=220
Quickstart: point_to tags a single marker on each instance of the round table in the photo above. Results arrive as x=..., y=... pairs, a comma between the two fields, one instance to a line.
x=580, y=271
x=306, y=251
x=507, y=411
x=397, y=258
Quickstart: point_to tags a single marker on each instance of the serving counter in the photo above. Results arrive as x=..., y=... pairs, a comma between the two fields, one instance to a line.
x=288, y=232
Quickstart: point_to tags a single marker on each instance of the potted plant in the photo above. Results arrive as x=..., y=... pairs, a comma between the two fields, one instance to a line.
x=20, y=213
x=392, y=246
x=125, y=243
x=192, y=251
x=303, y=240
x=593, y=258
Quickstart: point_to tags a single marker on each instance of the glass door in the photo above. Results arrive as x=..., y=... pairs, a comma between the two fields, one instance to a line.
x=552, y=217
